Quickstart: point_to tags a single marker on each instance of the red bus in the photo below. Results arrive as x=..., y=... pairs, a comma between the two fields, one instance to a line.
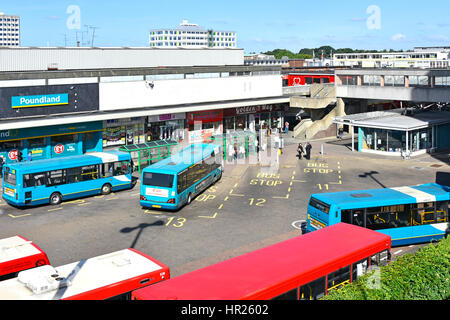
x=301, y=79
x=110, y=276
x=17, y=254
x=305, y=267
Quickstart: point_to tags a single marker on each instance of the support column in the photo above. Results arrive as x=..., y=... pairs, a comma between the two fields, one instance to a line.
x=353, y=138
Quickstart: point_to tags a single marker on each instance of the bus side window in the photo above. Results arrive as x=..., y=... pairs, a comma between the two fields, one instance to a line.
x=380, y=259
x=39, y=179
x=107, y=170
x=55, y=178
x=290, y=295
x=313, y=290
x=28, y=181
x=338, y=279
x=359, y=268
x=73, y=175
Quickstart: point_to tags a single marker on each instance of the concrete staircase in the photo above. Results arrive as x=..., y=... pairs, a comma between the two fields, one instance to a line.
x=321, y=98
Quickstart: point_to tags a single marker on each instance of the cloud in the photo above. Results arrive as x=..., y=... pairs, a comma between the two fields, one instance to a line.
x=398, y=36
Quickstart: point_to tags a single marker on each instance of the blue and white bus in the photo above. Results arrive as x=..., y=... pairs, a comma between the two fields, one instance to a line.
x=54, y=180
x=175, y=181
x=408, y=214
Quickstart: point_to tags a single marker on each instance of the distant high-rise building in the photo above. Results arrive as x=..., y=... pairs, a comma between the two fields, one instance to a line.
x=189, y=35
x=9, y=30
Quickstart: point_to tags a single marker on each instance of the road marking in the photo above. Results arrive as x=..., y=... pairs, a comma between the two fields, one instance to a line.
x=226, y=198
x=398, y=251
x=209, y=217
x=55, y=209
x=19, y=216
x=221, y=206
x=286, y=197
x=298, y=224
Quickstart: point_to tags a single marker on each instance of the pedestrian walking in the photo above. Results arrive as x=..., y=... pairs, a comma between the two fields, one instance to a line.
x=29, y=156
x=286, y=127
x=341, y=133
x=300, y=151
x=308, y=148
x=235, y=151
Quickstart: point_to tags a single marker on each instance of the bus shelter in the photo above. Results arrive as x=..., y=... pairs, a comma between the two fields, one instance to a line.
x=236, y=140
x=145, y=154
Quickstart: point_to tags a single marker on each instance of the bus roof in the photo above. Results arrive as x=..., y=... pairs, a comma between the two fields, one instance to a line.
x=184, y=159
x=429, y=192
x=15, y=248
x=248, y=275
x=84, y=276
x=69, y=161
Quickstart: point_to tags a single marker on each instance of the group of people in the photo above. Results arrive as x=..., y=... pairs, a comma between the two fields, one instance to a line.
x=235, y=152
x=304, y=150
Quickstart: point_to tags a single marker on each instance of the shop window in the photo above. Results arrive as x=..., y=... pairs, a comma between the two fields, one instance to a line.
x=15, y=144
x=37, y=142
x=67, y=138
x=313, y=290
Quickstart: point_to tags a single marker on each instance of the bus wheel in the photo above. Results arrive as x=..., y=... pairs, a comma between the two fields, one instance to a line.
x=189, y=199
x=106, y=189
x=55, y=198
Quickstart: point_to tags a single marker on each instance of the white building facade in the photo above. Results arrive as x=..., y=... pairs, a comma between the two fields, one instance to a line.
x=189, y=35
x=9, y=30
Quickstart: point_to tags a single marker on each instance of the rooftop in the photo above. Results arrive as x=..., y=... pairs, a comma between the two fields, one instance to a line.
x=400, y=119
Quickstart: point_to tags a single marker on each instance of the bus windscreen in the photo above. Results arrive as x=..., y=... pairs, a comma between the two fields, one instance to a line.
x=157, y=180
x=325, y=208
x=10, y=178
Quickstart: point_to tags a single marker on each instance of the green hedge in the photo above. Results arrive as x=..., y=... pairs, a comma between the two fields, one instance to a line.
x=424, y=275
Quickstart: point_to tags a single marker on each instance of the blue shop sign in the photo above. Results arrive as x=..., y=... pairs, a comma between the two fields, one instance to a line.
x=29, y=133
x=39, y=100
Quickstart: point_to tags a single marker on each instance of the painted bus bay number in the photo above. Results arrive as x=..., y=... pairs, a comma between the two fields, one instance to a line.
x=176, y=222
x=259, y=202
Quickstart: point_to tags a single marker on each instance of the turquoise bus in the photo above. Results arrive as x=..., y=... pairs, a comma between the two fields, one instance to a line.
x=411, y=214
x=175, y=181
x=54, y=180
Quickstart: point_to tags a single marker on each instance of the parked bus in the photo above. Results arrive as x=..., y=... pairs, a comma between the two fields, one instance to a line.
x=407, y=214
x=54, y=180
x=175, y=181
x=111, y=276
x=305, y=267
x=17, y=254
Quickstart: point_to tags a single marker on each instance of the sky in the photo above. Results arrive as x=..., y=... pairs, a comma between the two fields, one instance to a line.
x=260, y=25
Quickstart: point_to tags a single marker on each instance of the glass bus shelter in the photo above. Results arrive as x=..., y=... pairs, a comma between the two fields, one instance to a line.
x=145, y=154
x=236, y=139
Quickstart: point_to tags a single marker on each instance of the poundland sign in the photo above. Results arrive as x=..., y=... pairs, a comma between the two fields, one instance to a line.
x=39, y=100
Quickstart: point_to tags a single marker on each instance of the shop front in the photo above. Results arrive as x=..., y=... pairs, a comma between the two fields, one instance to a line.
x=204, y=124
x=255, y=118
x=399, y=134
x=167, y=126
x=51, y=141
x=118, y=132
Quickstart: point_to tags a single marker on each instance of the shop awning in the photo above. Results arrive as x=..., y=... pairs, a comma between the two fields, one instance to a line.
x=399, y=119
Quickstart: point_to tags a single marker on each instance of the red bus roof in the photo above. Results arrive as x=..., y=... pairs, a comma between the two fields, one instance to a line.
x=18, y=253
x=95, y=278
x=269, y=271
